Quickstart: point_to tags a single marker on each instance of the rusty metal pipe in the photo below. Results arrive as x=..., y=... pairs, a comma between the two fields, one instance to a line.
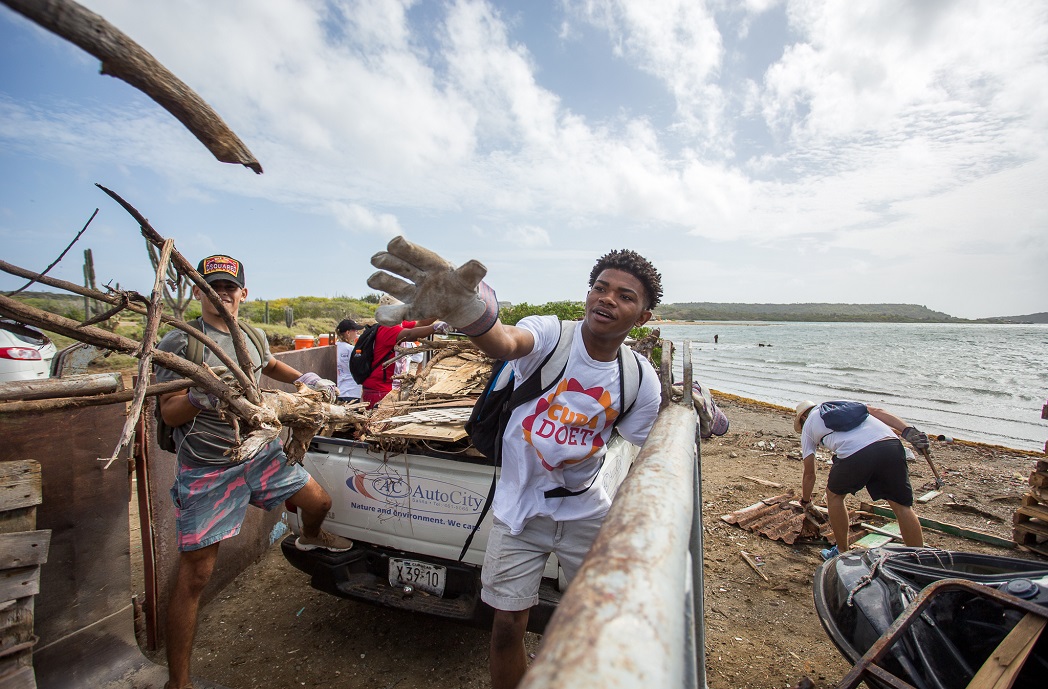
x=620, y=624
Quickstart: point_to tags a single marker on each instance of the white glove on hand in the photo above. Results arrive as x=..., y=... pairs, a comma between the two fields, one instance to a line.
x=916, y=438
x=314, y=381
x=439, y=290
x=441, y=328
x=204, y=400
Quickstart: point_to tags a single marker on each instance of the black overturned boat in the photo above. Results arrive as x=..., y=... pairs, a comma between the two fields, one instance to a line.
x=859, y=594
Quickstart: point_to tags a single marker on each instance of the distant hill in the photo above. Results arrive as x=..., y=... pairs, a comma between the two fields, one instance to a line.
x=897, y=313
x=1030, y=318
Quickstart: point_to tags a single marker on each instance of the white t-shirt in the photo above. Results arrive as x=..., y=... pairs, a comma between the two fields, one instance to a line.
x=347, y=387
x=560, y=438
x=842, y=443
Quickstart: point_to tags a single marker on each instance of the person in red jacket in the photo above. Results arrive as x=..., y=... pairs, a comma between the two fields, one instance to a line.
x=380, y=382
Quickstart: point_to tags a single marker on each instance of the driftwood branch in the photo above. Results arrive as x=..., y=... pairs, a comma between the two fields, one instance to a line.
x=145, y=353
x=124, y=59
x=187, y=269
x=23, y=313
x=189, y=330
x=60, y=256
x=40, y=405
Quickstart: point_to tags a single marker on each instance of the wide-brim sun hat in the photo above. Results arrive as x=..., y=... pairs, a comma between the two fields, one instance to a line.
x=802, y=408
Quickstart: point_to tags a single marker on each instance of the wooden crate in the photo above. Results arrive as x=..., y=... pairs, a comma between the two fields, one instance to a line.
x=22, y=550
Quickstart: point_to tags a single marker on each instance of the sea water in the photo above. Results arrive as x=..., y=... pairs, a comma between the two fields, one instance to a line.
x=978, y=382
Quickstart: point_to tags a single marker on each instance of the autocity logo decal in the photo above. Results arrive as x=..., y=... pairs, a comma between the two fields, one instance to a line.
x=378, y=486
x=430, y=496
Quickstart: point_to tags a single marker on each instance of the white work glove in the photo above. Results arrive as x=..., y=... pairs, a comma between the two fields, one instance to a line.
x=204, y=400
x=441, y=328
x=916, y=438
x=315, y=382
x=433, y=288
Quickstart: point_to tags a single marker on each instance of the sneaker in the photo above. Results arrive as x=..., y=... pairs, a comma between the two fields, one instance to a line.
x=324, y=540
x=828, y=553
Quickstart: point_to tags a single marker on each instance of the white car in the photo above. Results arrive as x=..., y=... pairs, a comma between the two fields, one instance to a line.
x=25, y=352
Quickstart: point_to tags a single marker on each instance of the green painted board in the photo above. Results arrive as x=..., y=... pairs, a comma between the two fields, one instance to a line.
x=876, y=540
x=951, y=529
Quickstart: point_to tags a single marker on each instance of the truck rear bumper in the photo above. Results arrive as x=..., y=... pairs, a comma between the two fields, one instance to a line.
x=361, y=574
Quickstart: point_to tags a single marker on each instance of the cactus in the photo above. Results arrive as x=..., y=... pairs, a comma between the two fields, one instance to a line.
x=183, y=293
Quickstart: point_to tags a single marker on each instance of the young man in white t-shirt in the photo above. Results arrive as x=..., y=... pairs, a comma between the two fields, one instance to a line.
x=868, y=456
x=555, y=441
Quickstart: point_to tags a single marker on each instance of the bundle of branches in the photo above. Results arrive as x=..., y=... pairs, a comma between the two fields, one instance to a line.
x=261, y=413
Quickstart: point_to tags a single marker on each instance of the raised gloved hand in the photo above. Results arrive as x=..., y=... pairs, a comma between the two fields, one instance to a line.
x=433, y=288
x=206, y=401
x=314, y=381
x=441, y=328
x=916, y=438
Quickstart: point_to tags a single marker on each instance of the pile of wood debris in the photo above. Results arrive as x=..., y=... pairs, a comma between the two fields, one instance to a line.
x=434, y=402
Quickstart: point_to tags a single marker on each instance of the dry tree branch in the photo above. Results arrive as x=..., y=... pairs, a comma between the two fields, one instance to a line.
x=200, y=375
x=189, y=330
x=60, y=256
x=145, y=353
x=239, y=341
x=54, y=403
x=124, y=59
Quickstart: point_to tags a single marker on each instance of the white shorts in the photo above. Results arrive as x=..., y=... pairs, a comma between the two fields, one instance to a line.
x=513, y=565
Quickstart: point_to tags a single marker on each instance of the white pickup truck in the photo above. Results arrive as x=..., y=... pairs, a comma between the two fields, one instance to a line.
x=409, y=516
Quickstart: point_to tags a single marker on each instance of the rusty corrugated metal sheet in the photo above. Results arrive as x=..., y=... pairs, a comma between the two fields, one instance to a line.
x=777, y=519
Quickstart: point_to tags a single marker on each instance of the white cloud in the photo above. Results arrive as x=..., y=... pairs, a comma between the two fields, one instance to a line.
x=885, y=131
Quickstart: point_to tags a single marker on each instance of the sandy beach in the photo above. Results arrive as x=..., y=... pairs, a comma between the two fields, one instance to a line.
x=269, y=629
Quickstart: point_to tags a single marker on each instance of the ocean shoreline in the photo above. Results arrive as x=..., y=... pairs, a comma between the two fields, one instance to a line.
x=771, y=406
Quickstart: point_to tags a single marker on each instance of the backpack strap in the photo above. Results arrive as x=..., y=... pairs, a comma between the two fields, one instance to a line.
x=537, y=384
x=630, y=375
x=195, y=348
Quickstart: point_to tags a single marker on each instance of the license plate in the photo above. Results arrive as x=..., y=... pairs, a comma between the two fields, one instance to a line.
x=422, y=575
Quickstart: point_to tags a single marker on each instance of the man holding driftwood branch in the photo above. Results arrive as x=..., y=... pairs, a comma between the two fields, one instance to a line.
x=212, y=491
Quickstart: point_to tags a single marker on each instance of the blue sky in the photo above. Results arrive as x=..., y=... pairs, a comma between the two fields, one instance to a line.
x=755, y=151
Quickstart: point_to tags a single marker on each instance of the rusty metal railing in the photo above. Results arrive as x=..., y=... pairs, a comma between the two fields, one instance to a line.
x=633, y=616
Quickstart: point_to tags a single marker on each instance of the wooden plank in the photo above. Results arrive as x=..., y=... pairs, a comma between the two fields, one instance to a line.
x=20, y=484
x=890, y=530
x=1039, y=479
x=878, y=536
x=1001, y=668
x=763, y=482
x=1027, y=525
x=24, y=548
x=19, y=678
x=419, y=431
x=22, y=519
x=929, y=496
x=754, y=565
x=944, y=527
x=19, y=583
x=67, y=386
x=1032, y=501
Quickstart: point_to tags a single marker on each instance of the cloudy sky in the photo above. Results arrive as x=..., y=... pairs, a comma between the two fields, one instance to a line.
x=755, y=151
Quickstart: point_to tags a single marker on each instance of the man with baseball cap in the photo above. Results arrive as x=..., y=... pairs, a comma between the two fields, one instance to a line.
x=211, y=493
x=868, y=455
x=348, y=389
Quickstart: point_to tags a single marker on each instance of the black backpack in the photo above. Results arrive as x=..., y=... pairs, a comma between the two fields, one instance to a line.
x=165, y=435
x=362, y=361
x=487, y=422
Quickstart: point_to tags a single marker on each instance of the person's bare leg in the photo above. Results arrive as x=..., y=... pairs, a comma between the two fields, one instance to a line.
x=194, y=571
x=313, y=503
x=838, y=514
x=508, y=660
x=909, y=525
